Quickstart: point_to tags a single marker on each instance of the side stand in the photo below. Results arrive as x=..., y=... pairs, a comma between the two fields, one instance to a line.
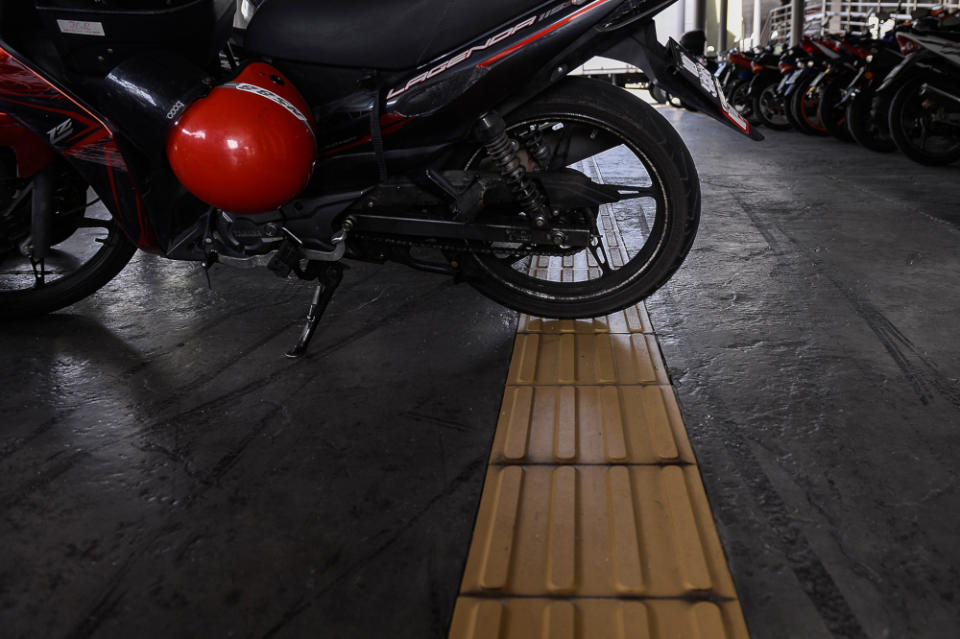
x=327, y=283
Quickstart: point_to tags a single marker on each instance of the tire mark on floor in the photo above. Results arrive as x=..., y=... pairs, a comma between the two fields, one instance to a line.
x=920, y=371
x=469, y=471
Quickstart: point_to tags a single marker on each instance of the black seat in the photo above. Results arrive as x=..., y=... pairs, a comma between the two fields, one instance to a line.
x=378, y=34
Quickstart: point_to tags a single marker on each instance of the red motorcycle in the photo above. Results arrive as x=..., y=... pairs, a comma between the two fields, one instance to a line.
x=445, y=135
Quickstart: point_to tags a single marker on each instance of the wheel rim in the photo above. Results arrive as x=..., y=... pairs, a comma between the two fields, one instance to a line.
x=610, y=265
x=83, y=232
x=771, y=107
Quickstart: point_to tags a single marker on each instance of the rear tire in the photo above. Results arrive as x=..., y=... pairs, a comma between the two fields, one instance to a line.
x=867, y=130
x=803, y=109
x=587, y=105
x=831, y=115
x=97, y=252
x=914, y=116
x=769, y=108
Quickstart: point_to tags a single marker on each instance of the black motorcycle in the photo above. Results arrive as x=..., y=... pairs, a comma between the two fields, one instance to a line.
x=924, y=112
x=445, y=135
x=766, y=105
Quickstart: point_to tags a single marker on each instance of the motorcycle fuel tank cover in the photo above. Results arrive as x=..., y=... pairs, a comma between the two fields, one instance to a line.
x=247, y=147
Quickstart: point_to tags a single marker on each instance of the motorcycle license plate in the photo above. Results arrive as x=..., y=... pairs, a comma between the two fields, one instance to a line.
x=708, y=84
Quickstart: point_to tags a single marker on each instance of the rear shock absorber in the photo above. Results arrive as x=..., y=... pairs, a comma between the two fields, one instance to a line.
x=503, y=151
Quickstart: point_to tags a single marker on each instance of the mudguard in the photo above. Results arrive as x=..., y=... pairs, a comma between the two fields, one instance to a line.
x=677, y=71
x=761, y=80
x=922, y=64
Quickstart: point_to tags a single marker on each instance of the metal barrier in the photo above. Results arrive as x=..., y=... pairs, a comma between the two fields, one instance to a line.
x=834, y=16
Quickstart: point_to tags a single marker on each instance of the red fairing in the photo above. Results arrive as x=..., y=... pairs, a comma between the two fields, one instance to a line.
x=31, y=151
x=78, y=134
x=739, y=60
x=249, y=146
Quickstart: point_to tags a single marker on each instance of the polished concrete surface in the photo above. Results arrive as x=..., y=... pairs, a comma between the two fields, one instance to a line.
x=812, y=339
x=167, y=473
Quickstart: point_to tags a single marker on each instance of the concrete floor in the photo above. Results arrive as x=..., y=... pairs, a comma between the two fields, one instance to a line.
x=812, y=339
x=167, y=473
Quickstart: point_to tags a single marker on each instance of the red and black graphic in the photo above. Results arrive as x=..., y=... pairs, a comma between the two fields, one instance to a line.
x=63, y=123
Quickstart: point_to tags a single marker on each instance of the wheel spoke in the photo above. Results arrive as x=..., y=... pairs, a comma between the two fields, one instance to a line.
x=628, y=192
x=597, y=249
x=39, y=274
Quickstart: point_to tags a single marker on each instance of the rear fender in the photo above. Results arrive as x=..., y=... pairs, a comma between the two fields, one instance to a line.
x=674, y=70
x=31, y=151
x=921, y=64
x=761, y=80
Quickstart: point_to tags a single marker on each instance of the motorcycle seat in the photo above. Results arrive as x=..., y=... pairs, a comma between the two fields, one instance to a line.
x=375, y=34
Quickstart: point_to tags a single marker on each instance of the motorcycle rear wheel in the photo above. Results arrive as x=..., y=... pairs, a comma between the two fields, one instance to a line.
x=867, y=130
x=804, y=105
x=831, y=115
x=919, y=127
x=86, y=254
x=646, y=152
x=768, y=105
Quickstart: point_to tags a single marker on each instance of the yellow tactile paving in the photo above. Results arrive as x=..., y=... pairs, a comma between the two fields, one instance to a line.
x=593, y=521
x=578, y=358
x=590, y=425
x=631, y=320
x=595, y=531
x=481, y=618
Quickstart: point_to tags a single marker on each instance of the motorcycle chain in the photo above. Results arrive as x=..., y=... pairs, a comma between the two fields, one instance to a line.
x=472, y=248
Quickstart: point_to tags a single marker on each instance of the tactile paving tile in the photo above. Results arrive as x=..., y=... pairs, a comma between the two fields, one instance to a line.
x=598, y=358
x=595, y=531
x=534, y=618
x=633, y=319
x=590, y=425
x=593, y=521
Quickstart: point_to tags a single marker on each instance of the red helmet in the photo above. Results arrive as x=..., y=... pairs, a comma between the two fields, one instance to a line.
x=247, y=147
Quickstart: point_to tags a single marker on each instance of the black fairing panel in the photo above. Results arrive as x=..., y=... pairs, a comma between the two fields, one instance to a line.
x=375, y=34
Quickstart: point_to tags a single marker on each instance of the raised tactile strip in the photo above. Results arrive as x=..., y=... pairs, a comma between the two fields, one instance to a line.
x=535, y=618
x=593, y=521
x=590, y=425
x=596, y=531
x=580, y=358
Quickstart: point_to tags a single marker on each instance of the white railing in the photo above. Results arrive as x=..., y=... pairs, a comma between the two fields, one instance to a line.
x=832, y=16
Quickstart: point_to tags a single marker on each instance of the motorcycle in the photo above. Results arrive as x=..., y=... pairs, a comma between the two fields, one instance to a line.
x=924, y=112
x=865, y=126
x=735, y=73
x=446, y=136
x=854, y=51
x=766, y=105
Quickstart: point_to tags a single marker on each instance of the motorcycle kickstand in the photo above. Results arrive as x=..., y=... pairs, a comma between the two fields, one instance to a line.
x=327, y=283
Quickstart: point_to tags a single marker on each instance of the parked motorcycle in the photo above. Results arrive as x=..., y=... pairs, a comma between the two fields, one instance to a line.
x=796, y=67
x=444, y=135
x=766, y=104
x=867, y=121
x=735, y=72
x=853, y=50
x=924, y=114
